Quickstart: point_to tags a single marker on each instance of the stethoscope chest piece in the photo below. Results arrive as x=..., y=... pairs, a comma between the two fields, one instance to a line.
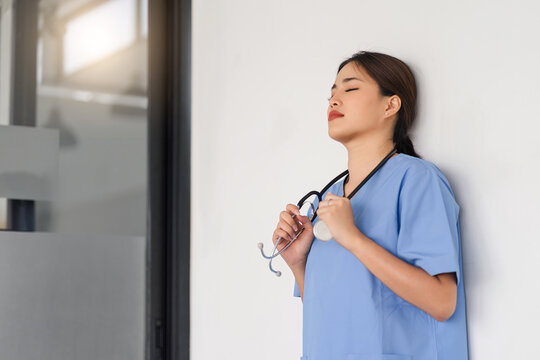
x=321, y=232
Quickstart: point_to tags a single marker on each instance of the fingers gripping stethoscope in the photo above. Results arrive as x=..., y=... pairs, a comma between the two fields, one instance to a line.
x=320, y=230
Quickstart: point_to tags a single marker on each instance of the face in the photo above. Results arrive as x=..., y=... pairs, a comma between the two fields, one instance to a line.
x=356, y=95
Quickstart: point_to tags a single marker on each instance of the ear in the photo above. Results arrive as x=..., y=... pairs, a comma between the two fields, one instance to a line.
x=393, y=106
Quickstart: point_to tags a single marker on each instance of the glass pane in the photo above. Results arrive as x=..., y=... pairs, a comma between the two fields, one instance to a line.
x=88, y=38
x=92, y=70
x=5, y=54
x=76, y=285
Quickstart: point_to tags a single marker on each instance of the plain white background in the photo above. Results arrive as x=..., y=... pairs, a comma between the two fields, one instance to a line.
x=262, y=72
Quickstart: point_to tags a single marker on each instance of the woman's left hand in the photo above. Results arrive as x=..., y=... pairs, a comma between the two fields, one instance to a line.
x=338, y=217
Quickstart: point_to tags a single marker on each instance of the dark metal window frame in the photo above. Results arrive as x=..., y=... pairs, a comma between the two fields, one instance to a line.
x=169, y=173
x=21, y=213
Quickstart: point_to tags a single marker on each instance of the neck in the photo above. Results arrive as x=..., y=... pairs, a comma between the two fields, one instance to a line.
x=364, y=157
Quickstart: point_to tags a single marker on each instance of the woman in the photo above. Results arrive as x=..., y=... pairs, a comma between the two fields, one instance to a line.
x=388, y=285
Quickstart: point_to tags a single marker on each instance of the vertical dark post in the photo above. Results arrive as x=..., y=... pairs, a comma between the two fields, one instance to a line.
x=20, y=213
x=178, y=250
x=169, y=173
x=156, y=223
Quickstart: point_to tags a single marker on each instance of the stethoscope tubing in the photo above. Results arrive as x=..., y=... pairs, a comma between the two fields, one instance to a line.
x=319, y=196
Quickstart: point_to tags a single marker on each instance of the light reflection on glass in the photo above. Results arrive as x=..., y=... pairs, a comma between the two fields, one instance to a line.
x=98, y=33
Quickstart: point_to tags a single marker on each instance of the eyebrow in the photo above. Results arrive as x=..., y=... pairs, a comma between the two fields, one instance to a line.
x=345, y=80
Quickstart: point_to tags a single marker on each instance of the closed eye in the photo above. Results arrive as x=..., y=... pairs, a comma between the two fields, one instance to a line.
x=345, y=91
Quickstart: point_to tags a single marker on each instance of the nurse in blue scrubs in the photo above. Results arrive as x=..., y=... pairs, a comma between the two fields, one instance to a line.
x=389, y=283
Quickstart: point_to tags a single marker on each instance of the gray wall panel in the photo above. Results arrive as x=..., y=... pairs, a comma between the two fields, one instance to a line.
x=71, y=297
x=29, y=162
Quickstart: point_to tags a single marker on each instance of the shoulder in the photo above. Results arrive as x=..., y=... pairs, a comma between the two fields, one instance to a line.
x=416, y=172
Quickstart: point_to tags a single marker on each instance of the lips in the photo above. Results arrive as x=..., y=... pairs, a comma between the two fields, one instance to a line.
x=334, y=114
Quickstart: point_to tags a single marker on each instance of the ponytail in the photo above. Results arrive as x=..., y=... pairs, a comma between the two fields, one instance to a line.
x=401, y=138
x=404, y=145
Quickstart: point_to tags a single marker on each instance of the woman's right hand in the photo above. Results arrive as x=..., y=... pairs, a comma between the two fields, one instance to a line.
x=296, y=254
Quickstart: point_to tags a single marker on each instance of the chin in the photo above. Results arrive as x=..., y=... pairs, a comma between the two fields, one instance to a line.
x=339, y=135
x=345, y=135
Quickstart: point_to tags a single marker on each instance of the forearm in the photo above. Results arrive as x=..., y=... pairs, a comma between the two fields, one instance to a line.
x=299, y=273
x=411, y=283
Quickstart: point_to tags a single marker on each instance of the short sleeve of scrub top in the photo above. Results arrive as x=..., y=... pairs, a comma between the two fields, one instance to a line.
x=407, y=207
x=428, y=236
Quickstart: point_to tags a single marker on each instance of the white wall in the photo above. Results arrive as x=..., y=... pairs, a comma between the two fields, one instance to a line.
x=262, y=71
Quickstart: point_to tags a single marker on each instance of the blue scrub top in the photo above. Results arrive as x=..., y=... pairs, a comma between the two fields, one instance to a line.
x=407, y=207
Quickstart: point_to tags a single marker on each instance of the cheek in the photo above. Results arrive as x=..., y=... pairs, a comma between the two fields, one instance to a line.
x=364, y=108
x=362, y=113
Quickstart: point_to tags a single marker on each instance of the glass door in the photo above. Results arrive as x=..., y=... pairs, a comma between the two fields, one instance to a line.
x=73, y=276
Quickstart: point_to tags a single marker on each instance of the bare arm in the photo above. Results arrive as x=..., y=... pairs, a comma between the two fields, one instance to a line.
x=436, y=295
x=299, y=272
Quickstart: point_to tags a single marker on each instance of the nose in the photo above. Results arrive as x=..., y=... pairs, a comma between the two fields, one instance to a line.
x=333, y=101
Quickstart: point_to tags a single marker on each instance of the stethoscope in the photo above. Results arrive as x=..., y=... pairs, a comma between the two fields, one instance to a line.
x=320, y=230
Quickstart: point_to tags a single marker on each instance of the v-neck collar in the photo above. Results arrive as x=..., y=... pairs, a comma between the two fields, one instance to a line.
x=341, y=184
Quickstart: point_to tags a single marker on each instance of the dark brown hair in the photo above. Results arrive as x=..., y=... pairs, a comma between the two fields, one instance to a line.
x=393, y=77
